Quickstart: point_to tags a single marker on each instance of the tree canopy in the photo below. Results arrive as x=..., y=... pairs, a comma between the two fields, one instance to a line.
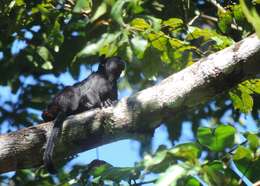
x=42, y=40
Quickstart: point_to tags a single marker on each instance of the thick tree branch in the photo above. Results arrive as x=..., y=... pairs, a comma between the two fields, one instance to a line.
x=142, y=111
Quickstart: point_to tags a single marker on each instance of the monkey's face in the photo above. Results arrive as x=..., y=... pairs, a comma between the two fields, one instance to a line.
x=114, y=67
x=51, y=113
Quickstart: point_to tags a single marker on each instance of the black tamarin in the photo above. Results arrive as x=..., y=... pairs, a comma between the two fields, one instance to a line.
x=99, y=89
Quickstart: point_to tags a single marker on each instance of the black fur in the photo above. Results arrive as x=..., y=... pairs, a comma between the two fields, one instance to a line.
x=99, y=89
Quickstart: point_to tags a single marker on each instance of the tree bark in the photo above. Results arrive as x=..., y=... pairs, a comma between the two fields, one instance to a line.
x=137, y=114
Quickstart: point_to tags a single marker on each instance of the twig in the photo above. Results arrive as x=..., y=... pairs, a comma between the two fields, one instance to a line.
x=233, y=26
x=216, y=4
x=193, y=19
x=145, y=182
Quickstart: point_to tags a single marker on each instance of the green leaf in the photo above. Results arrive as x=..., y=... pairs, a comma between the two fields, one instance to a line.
x=252, y=16
x=135, y=6
x=256, y=1
x=241, y=97
x=161, y=160
x=82, y=6
x=140, y=24
x=99, y=170
x=45, y=54
x=253, y=140
x=253, y=85
x=151, y=62
x=155, y=163
x=101, y=10
x=139, y=45
x=225, y=21
x=243, y=153
x=191, y=181
x=247, y=102
x=19, y=2
x=174, y=23
x=120, y=173
x=11, y=4
x=176, y=43
x=103, y=43
x=105, y=171
x=47, y=66
x=117, y=11
x=238, y=13
x=237, y=102
x=207, y=35
x=217, y=139
x=155, y=22
x=188, y=151
x=215, y=173
x=158, y=40
x=43, y=8
x=109, y=49
x=55, y=36
x=245, y=88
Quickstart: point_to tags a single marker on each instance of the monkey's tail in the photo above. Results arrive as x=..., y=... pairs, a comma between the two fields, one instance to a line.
x=52, y=140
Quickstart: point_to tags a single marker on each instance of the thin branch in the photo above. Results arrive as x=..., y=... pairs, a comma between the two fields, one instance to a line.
x=214, y=19
x=193, y=19
x=145, y=182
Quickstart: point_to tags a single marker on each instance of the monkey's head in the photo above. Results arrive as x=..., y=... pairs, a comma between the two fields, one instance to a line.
x=112, y=67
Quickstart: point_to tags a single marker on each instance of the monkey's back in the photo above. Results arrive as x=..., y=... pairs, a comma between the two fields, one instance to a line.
x=97, y=83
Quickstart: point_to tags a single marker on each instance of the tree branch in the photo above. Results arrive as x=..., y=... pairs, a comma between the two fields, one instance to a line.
x=138, y=113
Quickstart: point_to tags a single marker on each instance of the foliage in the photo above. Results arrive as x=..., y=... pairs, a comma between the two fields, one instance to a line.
x=42, y=40
x=242, y=95
x=217, y=139
x=252, y=15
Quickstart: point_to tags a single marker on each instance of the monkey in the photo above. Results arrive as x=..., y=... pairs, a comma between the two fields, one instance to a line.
x=98, y=90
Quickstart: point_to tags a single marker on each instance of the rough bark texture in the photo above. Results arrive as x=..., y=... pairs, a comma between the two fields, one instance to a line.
x=136, y=114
